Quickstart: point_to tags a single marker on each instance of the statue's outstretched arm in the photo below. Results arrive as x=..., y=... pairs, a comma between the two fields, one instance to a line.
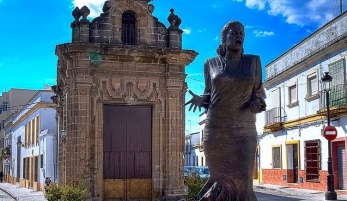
x=203, y=100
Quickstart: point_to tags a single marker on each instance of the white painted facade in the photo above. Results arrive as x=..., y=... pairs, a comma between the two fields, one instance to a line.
x=291, y=120
x=37, y=118
x=194, y=154
x=48, y=150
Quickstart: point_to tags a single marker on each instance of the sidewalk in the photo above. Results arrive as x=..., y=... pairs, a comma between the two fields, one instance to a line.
x=22, y=194
x=295, y=191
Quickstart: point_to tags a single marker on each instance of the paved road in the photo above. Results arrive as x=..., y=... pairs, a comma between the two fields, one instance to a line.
x=274, y=195
x=5, y=197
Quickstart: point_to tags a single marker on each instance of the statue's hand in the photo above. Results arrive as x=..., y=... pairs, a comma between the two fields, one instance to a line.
x=196, y=102
x=257, y=105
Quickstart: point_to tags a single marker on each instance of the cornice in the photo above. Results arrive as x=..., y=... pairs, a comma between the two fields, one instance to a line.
x=308, y=62
x=139, y=54
x=31, y=111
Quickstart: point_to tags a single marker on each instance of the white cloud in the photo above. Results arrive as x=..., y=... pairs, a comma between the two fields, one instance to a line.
x=248, y=27
x=258, y=33
x=187, y=30
x=216, y=38
x=201, y=30
x=258, y=4
x=298, y=12
x=95, y=6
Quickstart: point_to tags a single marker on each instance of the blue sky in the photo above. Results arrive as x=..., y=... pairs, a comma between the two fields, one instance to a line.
x=31, y=29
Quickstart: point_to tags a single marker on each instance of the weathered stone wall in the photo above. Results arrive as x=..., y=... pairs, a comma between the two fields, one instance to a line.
x=97, y=69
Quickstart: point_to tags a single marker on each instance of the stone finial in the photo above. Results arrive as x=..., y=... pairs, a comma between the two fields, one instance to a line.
x=76, y=14
x=174, y=20
x=107, y=6
x=84, y=11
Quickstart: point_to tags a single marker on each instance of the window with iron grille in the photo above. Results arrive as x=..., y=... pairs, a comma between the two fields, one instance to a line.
x=337, y=70
x=276, y=157
x=129, y=32
x=312, y=160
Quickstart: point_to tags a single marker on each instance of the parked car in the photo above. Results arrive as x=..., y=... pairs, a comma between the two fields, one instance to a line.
x=202, y=171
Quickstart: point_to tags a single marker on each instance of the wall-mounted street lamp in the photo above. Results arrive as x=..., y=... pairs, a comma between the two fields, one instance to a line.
x=63, y=135
x=330, y=194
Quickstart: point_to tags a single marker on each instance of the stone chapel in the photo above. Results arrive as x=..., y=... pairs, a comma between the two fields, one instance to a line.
x=120, y=94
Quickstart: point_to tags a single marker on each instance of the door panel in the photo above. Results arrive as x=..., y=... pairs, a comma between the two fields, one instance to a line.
x=341, y=167
x=127, y=151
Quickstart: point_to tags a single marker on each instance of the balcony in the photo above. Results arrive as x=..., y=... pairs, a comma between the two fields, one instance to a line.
x=274, y=119
x=130, y=36
x=198, y=146
x=338, y=101
x=6, y=152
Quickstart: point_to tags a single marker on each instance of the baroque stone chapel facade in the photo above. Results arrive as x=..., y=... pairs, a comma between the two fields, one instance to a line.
x=120, y=94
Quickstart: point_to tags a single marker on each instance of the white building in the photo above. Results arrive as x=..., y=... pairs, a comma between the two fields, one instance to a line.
x=292, y=150
x=10, y=102
x=194, y=150
x=32, y=127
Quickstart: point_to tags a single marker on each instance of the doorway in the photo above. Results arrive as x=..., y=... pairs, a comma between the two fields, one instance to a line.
x=292, y=162
x=341, y=167
x=127, y=152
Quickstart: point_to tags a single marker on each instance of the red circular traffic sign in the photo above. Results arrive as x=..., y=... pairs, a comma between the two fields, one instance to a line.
x=330, y=133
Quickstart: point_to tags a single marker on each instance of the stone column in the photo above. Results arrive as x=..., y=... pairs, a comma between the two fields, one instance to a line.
x=78, y=131
x=174, y=143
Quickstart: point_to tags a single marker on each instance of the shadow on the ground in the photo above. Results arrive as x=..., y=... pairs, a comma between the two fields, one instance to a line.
x=268, y=197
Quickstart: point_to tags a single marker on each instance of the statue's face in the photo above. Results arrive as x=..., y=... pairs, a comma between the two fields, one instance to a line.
x=234, y=37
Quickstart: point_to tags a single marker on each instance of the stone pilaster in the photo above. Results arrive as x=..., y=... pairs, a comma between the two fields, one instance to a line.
x=174, y=146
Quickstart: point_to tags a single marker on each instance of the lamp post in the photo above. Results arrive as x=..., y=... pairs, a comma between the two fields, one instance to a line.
x=330, y=194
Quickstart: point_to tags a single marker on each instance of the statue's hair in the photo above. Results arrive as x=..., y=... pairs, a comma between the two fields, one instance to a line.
x=221, y=50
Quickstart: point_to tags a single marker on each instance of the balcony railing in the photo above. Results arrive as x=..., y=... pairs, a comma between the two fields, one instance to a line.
x=338, y=97
x=274, y=115
x=274, y=118
x=6, y=152
x=130, y=36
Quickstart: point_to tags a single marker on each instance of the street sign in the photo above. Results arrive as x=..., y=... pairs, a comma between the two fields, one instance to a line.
x=330, y=133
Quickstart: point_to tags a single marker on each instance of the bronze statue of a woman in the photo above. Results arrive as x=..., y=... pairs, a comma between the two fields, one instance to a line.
x=233, y=95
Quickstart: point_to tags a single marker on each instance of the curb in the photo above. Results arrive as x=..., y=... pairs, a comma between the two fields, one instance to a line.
x=265, y=188
x=10, y=194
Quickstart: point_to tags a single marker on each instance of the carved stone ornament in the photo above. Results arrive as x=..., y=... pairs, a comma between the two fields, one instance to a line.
x=162, y=30
x=150, y=8
x=76, y=14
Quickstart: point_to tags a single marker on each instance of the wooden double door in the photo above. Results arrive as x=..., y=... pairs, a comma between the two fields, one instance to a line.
x=127, y=152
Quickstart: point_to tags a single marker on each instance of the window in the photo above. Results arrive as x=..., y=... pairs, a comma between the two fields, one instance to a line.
x=312, y=85
x=37, y=131
x=41, y=161
x=129, y=32
x=24, y=168
x=292, y=94
x=202, y=135
x=312, y=160
x=26, y=135
x=197, y=161
x=0, y=109
x=202, y=161
x=32, y=132
x=193, y=160
x=4, y=106
x=36, y=166
x=276, y=157
x=338, y=94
